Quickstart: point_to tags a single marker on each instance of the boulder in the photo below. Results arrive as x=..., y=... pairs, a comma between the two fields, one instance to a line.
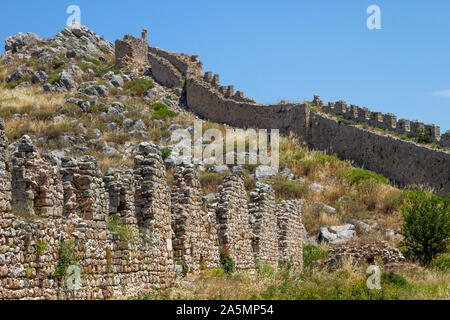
x=265, y=172
x=13, y=43
x=337, y=234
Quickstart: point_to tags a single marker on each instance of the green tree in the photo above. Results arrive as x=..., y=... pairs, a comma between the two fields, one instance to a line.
x=426, y=229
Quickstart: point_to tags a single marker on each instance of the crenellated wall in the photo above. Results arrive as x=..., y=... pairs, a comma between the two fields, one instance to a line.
x=404, y=162
x=386, y=121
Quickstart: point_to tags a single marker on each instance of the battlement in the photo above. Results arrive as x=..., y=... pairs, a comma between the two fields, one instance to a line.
x=386, y=121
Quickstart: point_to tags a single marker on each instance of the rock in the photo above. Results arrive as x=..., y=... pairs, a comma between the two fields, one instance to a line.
x=210, y=197
x=116, y=81
x=67, y=81
x=15, y=76
x=316, y=187
x=337, y=234
x=265, y=172
x=152, y=93
x=139, y=125
x=111, y=152
x=39, y=77
x=323, y=207
x=222, y=169
x=116, y=108
x=13, y=43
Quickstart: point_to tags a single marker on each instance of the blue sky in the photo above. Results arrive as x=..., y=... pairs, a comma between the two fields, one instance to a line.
x=290, y=49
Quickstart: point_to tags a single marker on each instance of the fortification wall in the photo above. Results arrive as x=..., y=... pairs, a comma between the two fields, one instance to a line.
x=404, y=162
x=263, y=220
x=122, y=231
x=387, y=121
x=289, y=221
x=195, y=240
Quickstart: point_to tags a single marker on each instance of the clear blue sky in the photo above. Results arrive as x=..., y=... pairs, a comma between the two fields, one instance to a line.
x=288, y=49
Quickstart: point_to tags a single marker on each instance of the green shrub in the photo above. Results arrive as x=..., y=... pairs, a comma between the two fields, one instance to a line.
x=360, y=176
x=288, y=190
x=226, y=261
x=164, y=113
x=40, y=247
x=426, y=229
x=166, y=153
x=139, y=86
x=115, y=224
x=311, y=254
x=391, y=278
x=57, y=64
x=67, y=258
x=442, y=263
x=422, y=136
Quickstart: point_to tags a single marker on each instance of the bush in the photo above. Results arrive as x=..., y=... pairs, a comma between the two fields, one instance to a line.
x=393, y=279
x=442, y=263
x=226, y=260
x=426, y=229
x=210, y=181
x=140, y=86
x=67, y=258
x=361, y=176
x=288, y=190
x=311, y=254
x=422, y=136
x=165, y=153
x=164, y=113
x=115, y=224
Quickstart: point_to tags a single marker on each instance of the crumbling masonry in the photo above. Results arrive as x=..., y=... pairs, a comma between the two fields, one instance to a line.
x=53, y=216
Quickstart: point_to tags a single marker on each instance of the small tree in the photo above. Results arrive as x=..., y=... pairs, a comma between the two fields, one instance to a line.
x=426, y=229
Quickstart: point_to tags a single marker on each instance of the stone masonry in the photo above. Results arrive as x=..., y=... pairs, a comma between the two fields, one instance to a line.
x=289, y=225
x=263, y=219
x=195, y=239
x=233, y=217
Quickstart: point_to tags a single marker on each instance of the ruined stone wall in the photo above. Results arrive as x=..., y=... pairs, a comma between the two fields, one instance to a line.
x=195, y=241
x=404, y=162
x=386, y=121
x=289, y=219
x=233, y=218
x=118, y=230
x=164, y=72
x=131, y=53
x=263, y=220
x=61, y=217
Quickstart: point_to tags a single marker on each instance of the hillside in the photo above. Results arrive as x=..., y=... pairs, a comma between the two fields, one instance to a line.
x=90, y=177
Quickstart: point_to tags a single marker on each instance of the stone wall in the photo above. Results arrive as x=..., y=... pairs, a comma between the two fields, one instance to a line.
x=233, y=218
x=386, y=121
x=263, y=220
x=131, y=52
x=404, y=162
x=289, y=221
x=125, y=230
x=195, y=240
